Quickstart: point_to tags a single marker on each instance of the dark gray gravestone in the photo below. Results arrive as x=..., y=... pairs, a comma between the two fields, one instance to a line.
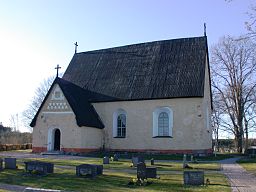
x=115, y=157
x=99, y=169
x=151, y=172
x=152, y=161
x=193, y=177
x=39, y=167
x=89, y=170
x=141, y=171
x=105, y=160
x=184, y=160
x=10, y=163
x=136, y=160
x=1, y=164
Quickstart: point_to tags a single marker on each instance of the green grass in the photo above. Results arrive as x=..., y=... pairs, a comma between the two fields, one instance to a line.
x=218, y=156
x=18, y=151
x=115, y=178
x=64, y=179
x=126, y=164
x=248, y=164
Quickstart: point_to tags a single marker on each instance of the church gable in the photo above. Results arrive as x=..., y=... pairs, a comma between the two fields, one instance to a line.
x=56, y=101
x=64, y=96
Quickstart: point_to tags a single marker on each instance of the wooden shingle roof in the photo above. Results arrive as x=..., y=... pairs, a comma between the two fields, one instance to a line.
x=160, y=69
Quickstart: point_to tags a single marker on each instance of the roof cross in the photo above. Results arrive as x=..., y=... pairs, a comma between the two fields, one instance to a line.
x=76, y=45
x=204, y=29
x=57, y=68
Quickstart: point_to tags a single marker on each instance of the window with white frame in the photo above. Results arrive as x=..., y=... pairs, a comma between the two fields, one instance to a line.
x=162, y=122
x=119, y=124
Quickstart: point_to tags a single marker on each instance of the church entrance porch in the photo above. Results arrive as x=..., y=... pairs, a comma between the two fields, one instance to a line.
x=54, y=140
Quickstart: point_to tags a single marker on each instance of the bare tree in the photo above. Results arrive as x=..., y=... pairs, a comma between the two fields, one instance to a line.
x=249, y=123
x=233, y=81
x=14, y=122
x=217, y=116
x=251, y=24
x=37, y=100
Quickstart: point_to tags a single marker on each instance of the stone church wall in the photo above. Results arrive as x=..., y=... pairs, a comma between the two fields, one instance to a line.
x=189, y=133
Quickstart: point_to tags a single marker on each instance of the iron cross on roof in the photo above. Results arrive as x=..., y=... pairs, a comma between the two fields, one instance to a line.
x=76, y=45
x=57, y=68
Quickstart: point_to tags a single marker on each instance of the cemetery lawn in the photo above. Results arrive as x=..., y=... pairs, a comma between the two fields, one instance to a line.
x=249, y=164
x=116, y=177
x=126, y=164
x=64, y=179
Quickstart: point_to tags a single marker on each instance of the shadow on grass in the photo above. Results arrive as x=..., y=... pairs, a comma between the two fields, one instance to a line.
x=162, y=165
x=216, y=184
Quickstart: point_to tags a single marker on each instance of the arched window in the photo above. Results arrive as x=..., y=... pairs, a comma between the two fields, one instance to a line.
x=162, y=122
x=119, y=123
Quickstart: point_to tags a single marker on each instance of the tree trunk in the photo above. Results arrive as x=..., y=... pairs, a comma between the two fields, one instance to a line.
x=240, y=144
x=246, y=134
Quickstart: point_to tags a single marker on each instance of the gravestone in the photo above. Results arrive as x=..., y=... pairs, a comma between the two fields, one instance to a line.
x=151, y=172
x=192, y=158
x=10, y=163
x=1, y=164
x=136, y=160
x=152, y=161
x=144, y=172
x=39, y=167
x=89, y=170
x=115, y=157
x=105, y=160
x=141, y=171
x=184, y=160
x=251, y=151
x=193, y=177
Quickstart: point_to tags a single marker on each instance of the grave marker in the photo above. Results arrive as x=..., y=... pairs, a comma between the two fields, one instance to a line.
x=136, y=160
x=141, y=171
x=105, y=160
x=144, y=172
x=115, y=157
x=193, y=177
x=10, y=163
x=40, y=167
x=192, y=158
x=184, y=161
x=151, y=172
x=89, y=170
x=152, y=161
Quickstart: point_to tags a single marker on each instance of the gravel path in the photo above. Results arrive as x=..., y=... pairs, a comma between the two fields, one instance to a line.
x=12, y=187
x=240, y=180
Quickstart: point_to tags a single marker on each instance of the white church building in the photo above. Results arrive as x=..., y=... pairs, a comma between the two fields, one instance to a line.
x=147, y=97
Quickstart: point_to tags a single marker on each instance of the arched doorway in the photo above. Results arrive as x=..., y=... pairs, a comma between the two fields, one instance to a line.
x=57, y=135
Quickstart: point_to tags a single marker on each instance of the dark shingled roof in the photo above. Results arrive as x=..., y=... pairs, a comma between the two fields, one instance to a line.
x=153, y=70
x=78, y=99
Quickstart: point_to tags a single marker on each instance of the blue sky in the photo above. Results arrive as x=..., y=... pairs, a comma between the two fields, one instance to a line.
x=36, y=35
